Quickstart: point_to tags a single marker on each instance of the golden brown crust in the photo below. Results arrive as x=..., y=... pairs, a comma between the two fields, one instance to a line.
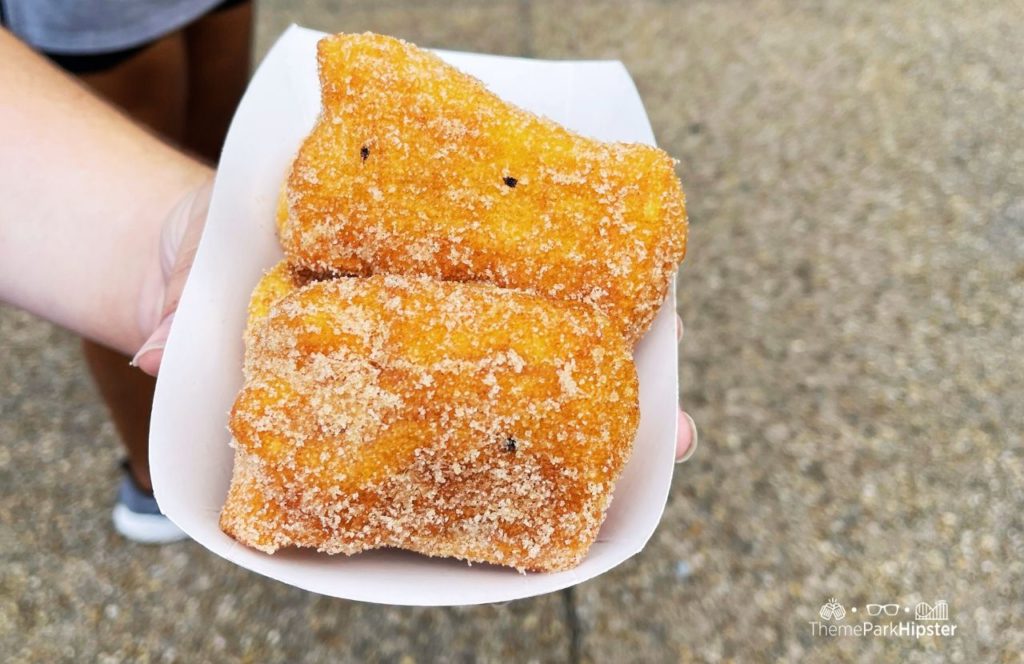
x=281, y=210
x=276, y=283
x=415, y=168
x=450, y=419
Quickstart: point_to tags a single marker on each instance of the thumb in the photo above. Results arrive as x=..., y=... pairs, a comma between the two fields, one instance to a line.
x=152, y=351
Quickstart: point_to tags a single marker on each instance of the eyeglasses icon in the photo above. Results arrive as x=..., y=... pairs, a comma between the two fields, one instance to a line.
x=877, y=609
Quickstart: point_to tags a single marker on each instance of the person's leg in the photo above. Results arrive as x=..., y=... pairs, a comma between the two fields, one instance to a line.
x=218, y=50
x=184, y=87
x=128, y=393
x=150, y=87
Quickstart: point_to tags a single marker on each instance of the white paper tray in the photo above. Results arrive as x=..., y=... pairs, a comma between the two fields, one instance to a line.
x=202, y=365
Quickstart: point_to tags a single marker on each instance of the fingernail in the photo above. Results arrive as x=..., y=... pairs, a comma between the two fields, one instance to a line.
x=157, y=339
x=147, y=347
x=693, y=439
x=679, y=329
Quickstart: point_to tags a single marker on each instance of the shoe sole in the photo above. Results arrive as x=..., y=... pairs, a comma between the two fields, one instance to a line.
x=146, y=528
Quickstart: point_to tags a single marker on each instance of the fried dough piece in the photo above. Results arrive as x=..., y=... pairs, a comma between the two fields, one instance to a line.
x=416, y=168
x=446, y=418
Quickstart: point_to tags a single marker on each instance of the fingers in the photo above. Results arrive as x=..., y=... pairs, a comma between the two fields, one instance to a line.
x=686, y=440
x=180, y=242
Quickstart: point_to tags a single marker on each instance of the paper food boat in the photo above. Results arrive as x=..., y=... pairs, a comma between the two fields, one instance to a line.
x=202, y=366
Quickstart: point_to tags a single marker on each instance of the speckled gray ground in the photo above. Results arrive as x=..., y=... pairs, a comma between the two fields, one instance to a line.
x=854, y=300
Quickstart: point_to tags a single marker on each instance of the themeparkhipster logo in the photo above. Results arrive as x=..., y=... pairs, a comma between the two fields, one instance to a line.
x=928, y=620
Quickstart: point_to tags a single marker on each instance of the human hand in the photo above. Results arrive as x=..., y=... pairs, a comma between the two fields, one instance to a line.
x=165, y=280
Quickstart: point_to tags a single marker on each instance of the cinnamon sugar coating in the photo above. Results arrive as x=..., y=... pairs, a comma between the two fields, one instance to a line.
x=275, y=284
x=416, y=168
x=445, y=418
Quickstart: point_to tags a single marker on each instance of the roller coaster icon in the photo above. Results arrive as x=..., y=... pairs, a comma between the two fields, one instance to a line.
x=936, y=612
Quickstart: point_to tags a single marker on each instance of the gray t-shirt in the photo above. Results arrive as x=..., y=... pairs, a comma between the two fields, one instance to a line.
x=81, y=27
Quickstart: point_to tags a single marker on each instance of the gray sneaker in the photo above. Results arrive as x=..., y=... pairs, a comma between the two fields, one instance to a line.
x=137, y=516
